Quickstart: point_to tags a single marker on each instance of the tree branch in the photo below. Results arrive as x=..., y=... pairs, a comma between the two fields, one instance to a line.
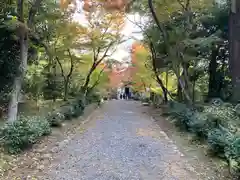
x=181, y=3
x=98, y=79
x=159, y=25
x=20, y=10
x=72, y=65
x=62, y=71
x=32, y=12
x=160, y=82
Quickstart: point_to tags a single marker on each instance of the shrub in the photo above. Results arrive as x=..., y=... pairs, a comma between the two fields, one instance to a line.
x=226, y=116
x=93, y=97
x=145, y=99
x=233, y=155
x=219, y=139
x=78, y=108
x=237, y=109
x=55, y=118
x=201, y=124
x=233, y=151
x=67, y=111
x=24, y=132
x=181, y=114
x=217, y=123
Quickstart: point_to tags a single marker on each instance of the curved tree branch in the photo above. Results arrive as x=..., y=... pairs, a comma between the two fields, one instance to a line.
x=159, y=25
x=160, y=82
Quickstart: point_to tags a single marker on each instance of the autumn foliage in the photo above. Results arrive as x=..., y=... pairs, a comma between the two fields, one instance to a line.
x=108, y=4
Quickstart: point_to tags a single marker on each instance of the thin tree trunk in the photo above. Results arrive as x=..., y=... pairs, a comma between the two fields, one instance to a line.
x=66, y=82
x=95, y=64
x=160, y=82
x=193, y=90
x=97, y=81
x=179, y=93
x=68, y=77
x=87, y=80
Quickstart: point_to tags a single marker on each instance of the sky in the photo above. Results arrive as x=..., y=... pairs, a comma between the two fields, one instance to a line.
x=130, y=31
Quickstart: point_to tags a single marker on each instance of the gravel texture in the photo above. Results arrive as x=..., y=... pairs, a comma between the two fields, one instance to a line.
x=121, y=143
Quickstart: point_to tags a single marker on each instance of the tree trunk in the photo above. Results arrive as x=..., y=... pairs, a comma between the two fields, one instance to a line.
x=179, y=93
x=66, y=83
x=165, y=92
x=187, y=85
x=212, y=70
x=159, y=80
x=17, y=86
x=234, y=39
x=87, y=80
x=193, y=90
x=23, y=31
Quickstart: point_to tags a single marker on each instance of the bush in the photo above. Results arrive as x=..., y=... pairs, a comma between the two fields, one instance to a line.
x=217, y=123
x=67, y=111
x=201, y=124
x=145, y=99
x=20, y=134
x=237, y=109
x=181, y=114
x=233, y=150
x=93, y=97
x=219, y=139
x=55, y=118
x=78, y=108
x=233, y=155
x=226, y=116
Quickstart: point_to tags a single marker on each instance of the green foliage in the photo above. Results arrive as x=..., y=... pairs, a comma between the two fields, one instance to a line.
x=9, y=62
x=19, y=135
x=53, y=87
x=78, y=108
x=34, y=80
x=145, y=99
x=233, y=151
x=219, y=140
x=215, y=123
x=93, y=97
x=70, y=110
x=55, y=118
x=225, y=115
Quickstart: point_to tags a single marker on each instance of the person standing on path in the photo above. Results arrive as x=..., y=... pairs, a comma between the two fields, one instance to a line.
x=127, y=93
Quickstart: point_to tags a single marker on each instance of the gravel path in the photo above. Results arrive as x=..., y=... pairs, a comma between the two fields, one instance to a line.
x=120, y=143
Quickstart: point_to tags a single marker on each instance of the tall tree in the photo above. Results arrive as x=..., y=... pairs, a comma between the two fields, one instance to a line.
x=23, y=28
x=234, y=40
x=102, y=34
